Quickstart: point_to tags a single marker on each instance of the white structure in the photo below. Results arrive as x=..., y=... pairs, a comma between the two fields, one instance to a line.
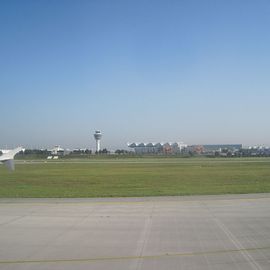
x=57, y=150
x=97, y=137
x=156, y=148
x=8, y=157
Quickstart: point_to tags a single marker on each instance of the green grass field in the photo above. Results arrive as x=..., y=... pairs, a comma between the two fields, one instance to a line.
x=136, y=177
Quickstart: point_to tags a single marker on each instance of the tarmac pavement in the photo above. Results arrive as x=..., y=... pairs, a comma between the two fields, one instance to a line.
x=196, y=232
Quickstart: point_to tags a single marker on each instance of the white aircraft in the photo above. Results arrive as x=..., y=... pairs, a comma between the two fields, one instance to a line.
x=7, y=157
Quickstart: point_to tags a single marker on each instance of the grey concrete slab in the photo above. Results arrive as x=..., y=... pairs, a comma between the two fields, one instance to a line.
x=198, y=232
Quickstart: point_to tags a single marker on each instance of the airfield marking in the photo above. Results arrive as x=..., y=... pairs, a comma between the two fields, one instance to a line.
x=130, y=202
x=195, y=162
x=238, y=244
x=244, y=252
x=141, y=257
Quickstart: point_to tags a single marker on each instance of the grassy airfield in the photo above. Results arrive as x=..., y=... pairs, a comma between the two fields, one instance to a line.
x=135, y=177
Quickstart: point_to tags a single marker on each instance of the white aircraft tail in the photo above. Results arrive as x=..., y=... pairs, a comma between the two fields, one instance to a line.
x=8, y=158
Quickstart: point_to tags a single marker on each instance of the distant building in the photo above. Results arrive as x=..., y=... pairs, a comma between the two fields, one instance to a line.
x=220, y=147
x=198, y=149
x=157, y=148
x=212, y=148
x=57, y=151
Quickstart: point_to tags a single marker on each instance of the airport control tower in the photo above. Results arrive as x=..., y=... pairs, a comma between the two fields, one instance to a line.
x=97, y=137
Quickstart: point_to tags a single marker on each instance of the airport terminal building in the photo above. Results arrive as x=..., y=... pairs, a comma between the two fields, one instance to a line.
x=180, y=147
x=158, y=148
x=214, y=148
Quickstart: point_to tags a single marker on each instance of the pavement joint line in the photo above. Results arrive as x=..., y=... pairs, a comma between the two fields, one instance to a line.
x=180, y=161
x=122, y=258
x=238, y=244
x=248, y=257
x=132, y=202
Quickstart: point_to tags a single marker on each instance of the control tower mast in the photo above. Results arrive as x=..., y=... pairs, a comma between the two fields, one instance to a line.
x=97, y=137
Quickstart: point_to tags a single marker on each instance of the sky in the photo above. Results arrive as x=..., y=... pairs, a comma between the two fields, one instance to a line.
x=138, y=70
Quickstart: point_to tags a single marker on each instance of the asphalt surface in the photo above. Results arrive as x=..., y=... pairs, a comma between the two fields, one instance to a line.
x=200, y=232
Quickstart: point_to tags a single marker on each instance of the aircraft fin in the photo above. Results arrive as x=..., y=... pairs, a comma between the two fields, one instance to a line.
x=9, y=164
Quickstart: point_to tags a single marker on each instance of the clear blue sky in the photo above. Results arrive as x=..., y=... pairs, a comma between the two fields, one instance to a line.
x=141, y=70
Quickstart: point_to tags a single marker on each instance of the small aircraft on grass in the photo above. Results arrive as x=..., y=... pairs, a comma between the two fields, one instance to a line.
x=7, y=157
